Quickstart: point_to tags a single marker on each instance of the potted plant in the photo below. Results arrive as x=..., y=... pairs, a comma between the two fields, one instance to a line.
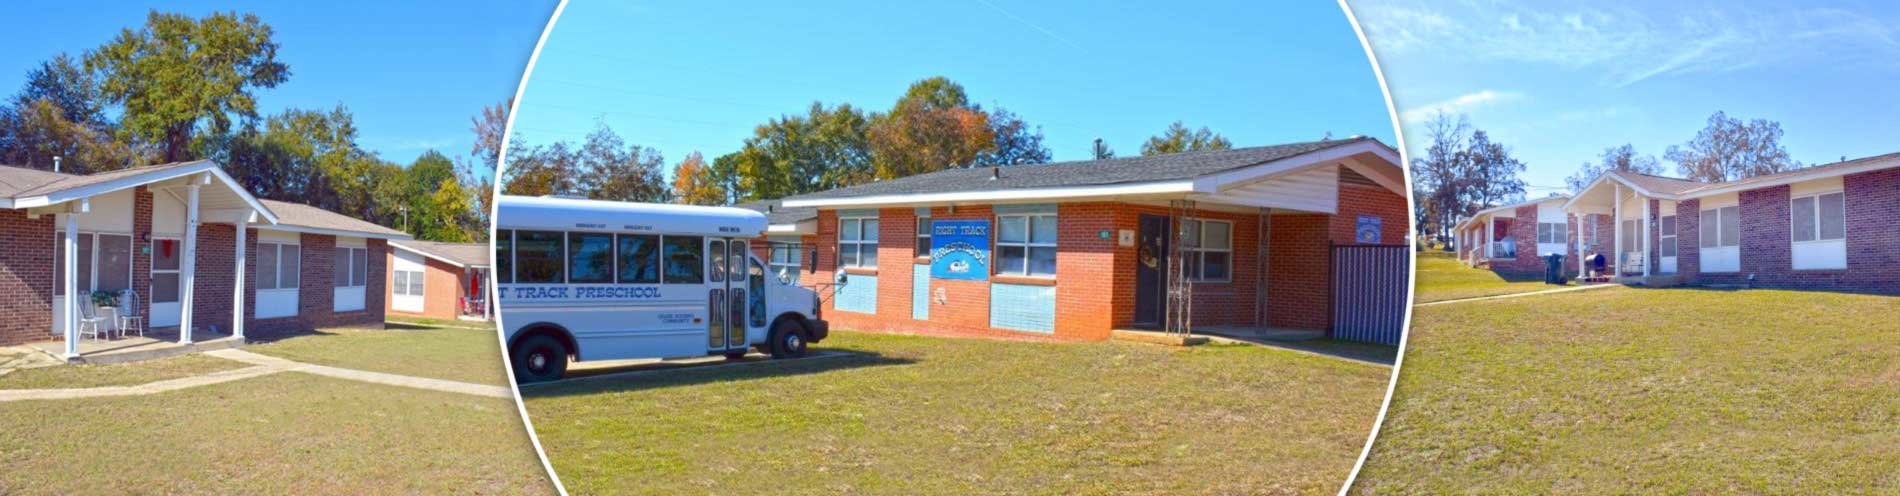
x=104, y=299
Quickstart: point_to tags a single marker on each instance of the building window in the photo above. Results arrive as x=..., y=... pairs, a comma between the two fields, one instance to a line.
x=1209, y=250
x=639, y=256
x=1818, y=217
x=857, y=242
x=1666, y=240
x=590, y=258
x=1027, y=245
x=787, y=257
x=278, y=266
x=684, y=256
x=350, y=268
x=923, y=237
x=505, y=256
x=538, y=257
x=1720, y=227
x=1551, y=232
x=408, y=283
x=105, y=262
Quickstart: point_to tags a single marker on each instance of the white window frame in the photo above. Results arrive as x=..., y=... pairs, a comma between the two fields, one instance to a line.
x=923, y=241
x=1199, y=251
x=278, y=281
x=1028, y=243
x=1667, y=237
x=1553, y=233
x=1816, y=199
x=1718, y=227
x=858, y=245
x=350, y=264
x=92, y=262
x=410, y=277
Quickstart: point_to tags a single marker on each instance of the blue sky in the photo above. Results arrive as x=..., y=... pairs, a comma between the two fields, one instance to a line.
x=681, y=78
x=1558, y=83
x=413, y=75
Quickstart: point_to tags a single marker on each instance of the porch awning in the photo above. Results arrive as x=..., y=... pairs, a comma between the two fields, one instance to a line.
x=225, y=201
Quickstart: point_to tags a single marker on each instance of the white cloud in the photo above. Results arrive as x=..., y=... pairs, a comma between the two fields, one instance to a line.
x=1461, y=104
x=1626, y=45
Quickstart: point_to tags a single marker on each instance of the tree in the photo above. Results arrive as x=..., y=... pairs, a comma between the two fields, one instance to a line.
x=488, y=125
x=1017, y=143
x=179, y=72
x=1179, y=139
x=1101, y=151
x=612, y=169
x=437, y=205
x=796, y=154
x=58, y=114
x=932, y=128
x=725, y=172
x=304, y=156
x=1617, y=158
x=540, y=170
x=1493, y=173
x=694, y=184
x=1439, y=176
x=1729, y=149
x=66, y=84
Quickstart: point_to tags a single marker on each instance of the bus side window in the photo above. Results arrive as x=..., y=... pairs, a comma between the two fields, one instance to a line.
x=684, y=263
x=505, y=256
x=639, y=258
x=716, y=260
x=539, y=258
x=757, y=283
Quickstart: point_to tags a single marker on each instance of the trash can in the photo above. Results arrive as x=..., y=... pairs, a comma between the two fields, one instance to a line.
x=1554, y=269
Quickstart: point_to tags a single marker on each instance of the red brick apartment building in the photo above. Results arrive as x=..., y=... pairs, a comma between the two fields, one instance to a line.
x=1076, y=250
x=1827, y=227
x=445, y=281
x=179, y=239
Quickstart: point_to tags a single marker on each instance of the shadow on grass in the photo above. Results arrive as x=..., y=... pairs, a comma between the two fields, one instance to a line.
x=673, y=374
x=1738, y=288
x=280, y=336
x=406, y=326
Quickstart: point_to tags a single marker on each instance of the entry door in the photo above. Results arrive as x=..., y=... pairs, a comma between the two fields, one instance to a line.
x=1151, y=272
x=726, y=295
x=166, y=254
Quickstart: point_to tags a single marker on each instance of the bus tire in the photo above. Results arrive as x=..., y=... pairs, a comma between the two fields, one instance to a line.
x=539, y=358
x=788, y=340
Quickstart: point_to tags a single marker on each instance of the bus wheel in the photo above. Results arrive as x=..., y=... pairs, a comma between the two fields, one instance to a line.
x=539, y=358
x=788, y=340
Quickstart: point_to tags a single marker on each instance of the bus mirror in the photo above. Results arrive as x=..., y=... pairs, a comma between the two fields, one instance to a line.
x=813, y=260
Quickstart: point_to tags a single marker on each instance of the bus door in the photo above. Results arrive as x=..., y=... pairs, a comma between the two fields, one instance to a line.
x=727, y=293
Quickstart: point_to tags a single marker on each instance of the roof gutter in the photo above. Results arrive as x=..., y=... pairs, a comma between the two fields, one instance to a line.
x=1026, y=194
x=336, y=232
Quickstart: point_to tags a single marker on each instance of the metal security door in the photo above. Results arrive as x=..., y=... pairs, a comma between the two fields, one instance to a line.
x=1369, y=292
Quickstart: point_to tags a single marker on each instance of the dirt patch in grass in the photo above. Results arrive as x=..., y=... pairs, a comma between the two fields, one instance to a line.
x=282, y=433
x=1442, y=277
x=467, y=355
x=122, y=374
x=910, y=415
x=1629, y=390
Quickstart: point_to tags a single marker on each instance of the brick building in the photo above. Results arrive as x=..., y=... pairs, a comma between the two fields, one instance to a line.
x=1827, y=227
x=180, y=238
x=1076, y=250
x=1513, y=239
x=447, y=281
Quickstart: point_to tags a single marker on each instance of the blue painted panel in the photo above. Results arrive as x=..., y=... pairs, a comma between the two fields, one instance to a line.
x=920, y=292
x=858, y=294
x=1023, y=307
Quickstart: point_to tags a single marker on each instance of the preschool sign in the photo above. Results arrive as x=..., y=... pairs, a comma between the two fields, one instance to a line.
x=960, y=249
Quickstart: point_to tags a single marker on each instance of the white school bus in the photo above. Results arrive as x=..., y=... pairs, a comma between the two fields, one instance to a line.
x=605, y=280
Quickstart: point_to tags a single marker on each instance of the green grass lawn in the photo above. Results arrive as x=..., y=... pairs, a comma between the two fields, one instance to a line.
x=1630, y=390
x=467, y=355
x=1440, y=277
x=908, y=415
x=278, y=434
x=124, y=374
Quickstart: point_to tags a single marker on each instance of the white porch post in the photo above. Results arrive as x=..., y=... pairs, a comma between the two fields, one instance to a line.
x=188, y=271
x=1616, y=237
x=70, y=260
x=237, y=288
x=1490, y=236
x=1644, y=204
x=488, y=292
x=1576, y=241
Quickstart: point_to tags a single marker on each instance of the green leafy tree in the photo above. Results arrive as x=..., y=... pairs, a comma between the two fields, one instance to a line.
x=1178, y=138
x=612, y=169
x=178, y=73
x=932, y=127
x=1017, y=143
x=540, y=170
x=795, y=154
x=436, y=205
x=58, y=114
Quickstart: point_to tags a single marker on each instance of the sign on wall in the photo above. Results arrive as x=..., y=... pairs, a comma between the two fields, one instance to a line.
x=1368, y=231
x=960, y=249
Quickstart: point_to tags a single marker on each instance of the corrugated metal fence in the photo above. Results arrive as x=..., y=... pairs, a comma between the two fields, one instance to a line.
x=1369, y=287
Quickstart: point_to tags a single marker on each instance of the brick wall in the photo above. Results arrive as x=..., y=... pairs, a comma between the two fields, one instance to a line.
x=26, y=277
x=1689, y=240
x=1299, y=259
x=315, y=289
x=142, y=259
x=1524, y=230
x=216, y=271
x=442, y=287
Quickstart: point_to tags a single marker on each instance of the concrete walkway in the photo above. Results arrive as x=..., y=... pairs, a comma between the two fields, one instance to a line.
x=261, y=365
x=1520, y=295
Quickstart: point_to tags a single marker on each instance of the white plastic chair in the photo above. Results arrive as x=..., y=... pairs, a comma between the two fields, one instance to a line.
x=89, y=320
x=131, y=318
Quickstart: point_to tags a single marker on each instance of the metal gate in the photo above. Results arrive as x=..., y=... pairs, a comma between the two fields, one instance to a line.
x=1370, y=283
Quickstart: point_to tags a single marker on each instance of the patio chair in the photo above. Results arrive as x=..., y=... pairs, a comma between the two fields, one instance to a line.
x=90, y=321
x=131, y=318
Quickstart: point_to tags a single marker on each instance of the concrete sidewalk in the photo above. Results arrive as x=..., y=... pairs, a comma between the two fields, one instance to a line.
x=1520, y=295
x=261, y=365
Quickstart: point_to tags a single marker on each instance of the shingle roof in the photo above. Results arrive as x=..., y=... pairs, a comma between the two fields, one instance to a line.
x=1169, y=167
x=300, y=215
x=777, y=213
x=17, y=182
x=467, y=254
x=1678, y=186
x=1660, y=184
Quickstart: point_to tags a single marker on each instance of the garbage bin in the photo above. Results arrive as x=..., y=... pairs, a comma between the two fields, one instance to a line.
x=1554, y=269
